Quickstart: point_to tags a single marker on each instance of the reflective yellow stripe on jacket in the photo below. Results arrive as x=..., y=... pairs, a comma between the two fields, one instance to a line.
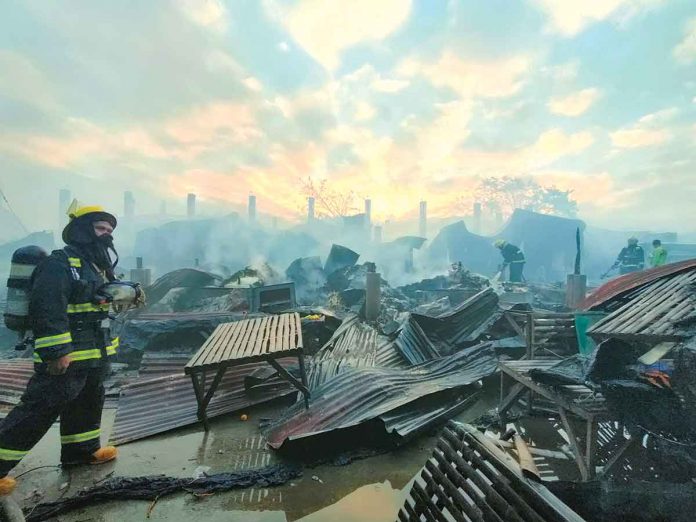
x=84, y=355
x=75, y=262
x=80, y=437
x=111, y=349
x=81, y=308
x=52, y=340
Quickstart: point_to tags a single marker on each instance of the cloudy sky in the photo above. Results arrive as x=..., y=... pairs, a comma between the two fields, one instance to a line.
x=398, y=100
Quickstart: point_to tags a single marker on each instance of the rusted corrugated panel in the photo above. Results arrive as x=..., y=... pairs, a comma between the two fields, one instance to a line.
x=654, y=312
x=628, y=282
x=151, y=406
x=14, y=376
x=357, y=395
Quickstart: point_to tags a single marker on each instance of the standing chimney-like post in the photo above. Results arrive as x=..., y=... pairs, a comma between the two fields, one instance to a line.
x=64, y=200
x=477, y=218
x=373, y=293
x=378, y=234
x=310, y=209
x=139, y=274
x=128, y=205
x=423, y=219
x=368, y=213
x=498, y=220
x=252, y=207
x=191, y=205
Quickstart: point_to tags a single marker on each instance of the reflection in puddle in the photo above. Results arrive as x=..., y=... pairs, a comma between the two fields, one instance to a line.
x=371, y=503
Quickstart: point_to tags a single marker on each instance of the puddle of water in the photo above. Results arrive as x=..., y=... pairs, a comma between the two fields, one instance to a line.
x=370, y=503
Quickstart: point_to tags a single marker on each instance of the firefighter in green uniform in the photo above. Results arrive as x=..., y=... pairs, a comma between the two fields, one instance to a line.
x=72, y=347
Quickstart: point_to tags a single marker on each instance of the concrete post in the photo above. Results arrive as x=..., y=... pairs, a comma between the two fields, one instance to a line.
x=576, y=289
x=141, y=275
x=252, y=207
x=64, y=200
x=378, y=234
x=310, y=209
x=477, y=218
x=373, y=293
x=423, y=219
x=191, y=205
x=128, y=205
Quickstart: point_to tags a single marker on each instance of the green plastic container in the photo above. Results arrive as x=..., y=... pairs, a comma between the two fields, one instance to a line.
x=583, y=322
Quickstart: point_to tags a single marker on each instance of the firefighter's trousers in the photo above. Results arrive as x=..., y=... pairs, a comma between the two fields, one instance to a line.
x=77, y=397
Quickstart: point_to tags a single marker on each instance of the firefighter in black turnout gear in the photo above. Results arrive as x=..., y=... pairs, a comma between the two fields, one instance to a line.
x=512, y=257
x=72, y=347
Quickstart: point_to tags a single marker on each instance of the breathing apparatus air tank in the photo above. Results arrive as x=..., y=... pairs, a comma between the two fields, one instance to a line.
x=24, y=262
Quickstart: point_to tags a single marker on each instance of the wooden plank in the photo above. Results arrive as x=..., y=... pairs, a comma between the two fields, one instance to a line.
x=284, y=332
x=574, y=444
x=234, y=340
x=551, y=395
x=203, y=349
x=262, y=348
x=656, y=353
x=241, y=346
x=274, y=334
x=292, y=342
x=254, y=345
x=216, y=349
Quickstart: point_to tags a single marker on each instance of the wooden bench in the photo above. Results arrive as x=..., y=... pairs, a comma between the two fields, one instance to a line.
x=251, y=340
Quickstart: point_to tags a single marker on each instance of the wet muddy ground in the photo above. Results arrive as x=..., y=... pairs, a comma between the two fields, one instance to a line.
x=371, y=489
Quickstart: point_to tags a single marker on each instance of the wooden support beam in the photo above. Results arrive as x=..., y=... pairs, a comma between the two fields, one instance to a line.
x=574, y=444
x=287, y=376
x=199, y=390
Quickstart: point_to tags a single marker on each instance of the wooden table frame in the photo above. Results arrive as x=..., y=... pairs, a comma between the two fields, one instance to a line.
x=252, y=340
x=591, y=412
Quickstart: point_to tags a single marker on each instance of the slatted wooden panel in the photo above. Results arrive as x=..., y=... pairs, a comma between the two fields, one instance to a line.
x=583, y=400
x=467, y=480
x=653, y=313
x=249, y=340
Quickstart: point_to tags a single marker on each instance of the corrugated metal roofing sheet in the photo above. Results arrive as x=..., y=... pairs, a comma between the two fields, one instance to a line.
x=423, y=338
x=628, y=282
x=357, y=395
x=14, y=376
x=353, y=345
x=151, y=406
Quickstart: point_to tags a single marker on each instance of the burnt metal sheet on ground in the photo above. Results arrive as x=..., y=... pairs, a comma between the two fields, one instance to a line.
x=250, y=340
x=653, y=311
x=423, y=338
x=357, y=395
x=468, y=478
x=625, y=283
x=154, y=365
x=14, y=376
x=151, y=406
x=353, y=345
x=168, y=332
